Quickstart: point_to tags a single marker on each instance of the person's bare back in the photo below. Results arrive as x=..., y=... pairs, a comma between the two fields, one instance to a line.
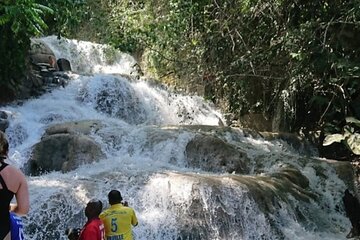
x=16, y=183
x=12, y=183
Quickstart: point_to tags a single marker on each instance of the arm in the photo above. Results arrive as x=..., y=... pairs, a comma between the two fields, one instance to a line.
x=134, y=220
x=21, y=195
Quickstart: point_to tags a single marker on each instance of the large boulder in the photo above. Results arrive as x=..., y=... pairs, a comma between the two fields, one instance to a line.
x=85, y=127
x=64, y=147
x=41, y=74
x=40, y=54
x=212, y=154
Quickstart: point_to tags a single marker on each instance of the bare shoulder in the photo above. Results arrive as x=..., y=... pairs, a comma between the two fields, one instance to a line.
x=17, y=172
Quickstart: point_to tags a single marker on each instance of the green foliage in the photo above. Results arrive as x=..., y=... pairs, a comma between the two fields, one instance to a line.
x=66, y=17
x=296, y=57
x=126, y=24
x=350, y=136
x=24, y=17
x=165, y=30
x=251, y=55
x=19, y=21
x=110, y=55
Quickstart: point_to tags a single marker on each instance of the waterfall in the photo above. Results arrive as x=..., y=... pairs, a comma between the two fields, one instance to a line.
x=280, y=194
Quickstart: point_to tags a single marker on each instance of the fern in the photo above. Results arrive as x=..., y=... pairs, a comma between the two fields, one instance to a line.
x=4, y=19
x=25, y=16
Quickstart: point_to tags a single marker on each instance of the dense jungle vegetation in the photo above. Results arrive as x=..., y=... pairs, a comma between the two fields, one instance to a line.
x=295, y=62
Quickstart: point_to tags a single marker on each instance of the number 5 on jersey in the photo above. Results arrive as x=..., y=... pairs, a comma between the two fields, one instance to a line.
x=114, y=226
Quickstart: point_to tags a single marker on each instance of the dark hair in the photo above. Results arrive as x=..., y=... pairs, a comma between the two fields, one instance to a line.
x=93, y=208
x=4, y=146
x=114, y=197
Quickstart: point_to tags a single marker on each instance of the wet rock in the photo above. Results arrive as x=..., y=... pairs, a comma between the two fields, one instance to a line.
x=41, y=55
x=213, y=154
x=298, y=143
x=41, y=76
x=64, y=147
x=64, y=64
x=4, y=122
x=352, y=209
x=78, y=127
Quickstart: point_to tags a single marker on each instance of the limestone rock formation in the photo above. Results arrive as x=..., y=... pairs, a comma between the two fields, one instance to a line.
x=210, y=153
x=64, y=147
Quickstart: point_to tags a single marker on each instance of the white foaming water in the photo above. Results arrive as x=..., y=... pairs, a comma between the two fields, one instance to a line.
x=146, y=160
x=87, y=57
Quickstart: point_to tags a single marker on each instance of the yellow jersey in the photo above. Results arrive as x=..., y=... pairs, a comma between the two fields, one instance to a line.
x=118, y=221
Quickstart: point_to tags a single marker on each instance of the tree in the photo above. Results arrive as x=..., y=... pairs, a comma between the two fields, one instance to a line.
x=19, y=21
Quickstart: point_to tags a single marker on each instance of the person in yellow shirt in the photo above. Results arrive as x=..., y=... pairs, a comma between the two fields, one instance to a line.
x=118, y=218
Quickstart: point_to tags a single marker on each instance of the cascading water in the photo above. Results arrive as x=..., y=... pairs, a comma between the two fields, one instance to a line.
x=155, y=155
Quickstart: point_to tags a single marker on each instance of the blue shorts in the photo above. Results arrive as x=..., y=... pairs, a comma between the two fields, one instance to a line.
x=17, y=230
